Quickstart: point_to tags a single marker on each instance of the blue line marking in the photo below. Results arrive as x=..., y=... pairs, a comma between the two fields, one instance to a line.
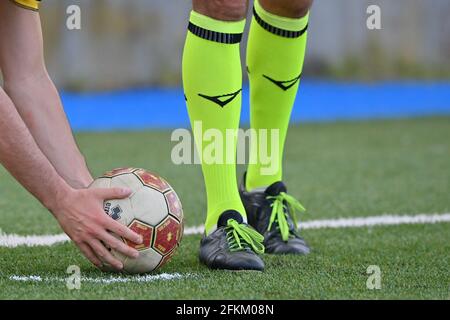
x=317, y=101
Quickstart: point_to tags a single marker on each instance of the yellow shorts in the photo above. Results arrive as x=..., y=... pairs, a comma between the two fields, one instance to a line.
x=28, y=4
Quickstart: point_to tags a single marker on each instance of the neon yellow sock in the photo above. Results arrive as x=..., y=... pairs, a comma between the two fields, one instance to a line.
x=275, y=54
x=212, y=79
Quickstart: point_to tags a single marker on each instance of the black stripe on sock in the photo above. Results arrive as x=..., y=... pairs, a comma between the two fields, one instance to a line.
x=228, y=38
x=278, y=31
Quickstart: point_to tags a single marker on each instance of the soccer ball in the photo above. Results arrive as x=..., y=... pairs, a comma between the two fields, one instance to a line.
x=153, y=210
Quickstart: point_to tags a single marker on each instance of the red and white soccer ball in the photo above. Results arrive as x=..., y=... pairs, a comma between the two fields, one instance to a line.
x=153, y=210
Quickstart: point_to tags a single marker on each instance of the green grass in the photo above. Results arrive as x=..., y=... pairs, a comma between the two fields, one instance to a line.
x=336, y=170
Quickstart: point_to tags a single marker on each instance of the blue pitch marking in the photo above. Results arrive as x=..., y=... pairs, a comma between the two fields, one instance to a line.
x=316, y=102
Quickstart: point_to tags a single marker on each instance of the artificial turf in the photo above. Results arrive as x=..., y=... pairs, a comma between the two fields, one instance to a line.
x=345, y=169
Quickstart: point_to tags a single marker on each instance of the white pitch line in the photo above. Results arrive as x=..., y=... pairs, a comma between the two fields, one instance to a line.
x=386, y=220
x=383, y=220
x=14, y=240
x=108, y=280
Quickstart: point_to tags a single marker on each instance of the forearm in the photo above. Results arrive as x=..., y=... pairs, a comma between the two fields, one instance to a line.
x=39, y=105
x=34, y=95
x=20, y=155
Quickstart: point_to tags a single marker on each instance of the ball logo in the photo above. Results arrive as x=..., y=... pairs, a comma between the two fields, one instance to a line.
x=106, y=207
x=115, y=212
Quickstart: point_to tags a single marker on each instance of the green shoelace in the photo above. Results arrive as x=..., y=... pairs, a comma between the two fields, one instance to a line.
x=279, y=212
x=240, y=237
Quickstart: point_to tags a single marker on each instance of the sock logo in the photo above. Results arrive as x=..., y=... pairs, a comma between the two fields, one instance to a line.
x=221, y=100
x=285, y=85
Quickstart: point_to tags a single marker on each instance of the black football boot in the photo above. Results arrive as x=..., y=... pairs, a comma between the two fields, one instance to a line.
x=234, y=245
x=272, y=213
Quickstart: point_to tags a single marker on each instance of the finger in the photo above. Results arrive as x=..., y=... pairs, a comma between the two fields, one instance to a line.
x=112, y=193
x=118, y=245
x=105, y=255
x=123, y=231
x=90, y=255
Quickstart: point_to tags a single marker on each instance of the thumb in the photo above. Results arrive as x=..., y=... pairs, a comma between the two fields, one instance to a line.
x=113, y=193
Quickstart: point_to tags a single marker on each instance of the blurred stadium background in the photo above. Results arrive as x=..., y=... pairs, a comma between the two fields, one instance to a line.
x=126, y=47
x=128, y=54
x=139, y=42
